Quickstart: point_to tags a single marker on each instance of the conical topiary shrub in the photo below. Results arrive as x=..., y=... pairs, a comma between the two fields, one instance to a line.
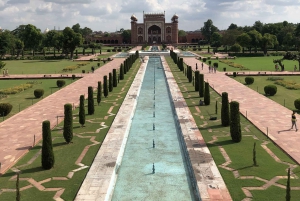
x=201, y=85
x=91, y=107
x=99, y=92
x=47, y=149
x=110, y=82
x=115, y=81
x=105, y=86
x=206, y=94
x=196, y=80
x=68, y=123
x=81, y=111
x=225, y=118
x=235, y=125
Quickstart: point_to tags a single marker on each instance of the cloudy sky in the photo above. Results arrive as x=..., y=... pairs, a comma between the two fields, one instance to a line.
x=112, y=15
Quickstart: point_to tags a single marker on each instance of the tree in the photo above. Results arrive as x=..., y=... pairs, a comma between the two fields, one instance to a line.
x=208, y=29
x=235, y=125
x=81, y=111
x=19, y=46
x=76, y=28
x=181, y=33
x=54, y=39
x=258, y=26
x=206, y=94
x=255, y=39
x=126, y=34
x=232, y=26
x=32, y=37
x=6, y=42
x=47, y=149
x=235, y=48
x=268, y=41
x=91, y=108
x=201, y=85
x=99, y=92
x=230, y=36
x=225, y=119
x=110, y=82
x=105, y=86
x=2, y=64
x=71, y=40
x=244, y=40
x=288, y=186
x=115, y=80
x=68, y=123
x=216, y=40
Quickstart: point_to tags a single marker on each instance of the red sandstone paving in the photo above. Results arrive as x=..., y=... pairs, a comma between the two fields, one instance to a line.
x=264, y=113
x=17, y=133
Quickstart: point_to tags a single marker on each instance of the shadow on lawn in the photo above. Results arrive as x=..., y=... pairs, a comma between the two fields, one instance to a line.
x=220, y=143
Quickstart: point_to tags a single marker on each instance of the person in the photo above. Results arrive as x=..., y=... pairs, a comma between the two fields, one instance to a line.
x=196, y=66
x=202, y=65
x=295, y=68
x=93, y=69
x=3, y=72
x=201, y=102
x=294, y=120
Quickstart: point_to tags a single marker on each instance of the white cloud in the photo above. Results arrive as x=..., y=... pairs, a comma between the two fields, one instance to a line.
x=109, y=15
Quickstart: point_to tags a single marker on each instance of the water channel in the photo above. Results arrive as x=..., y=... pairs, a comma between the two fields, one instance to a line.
x=153, y=166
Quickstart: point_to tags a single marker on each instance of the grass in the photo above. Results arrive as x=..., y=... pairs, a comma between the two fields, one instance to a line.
x=284, y=96
x=256, y=63
x=24, y=99
x=67, y=154
x=46, y=66
x=239, y=153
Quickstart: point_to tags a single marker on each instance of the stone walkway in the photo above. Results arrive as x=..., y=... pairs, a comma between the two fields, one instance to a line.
x=21, y=131
x=271, y=118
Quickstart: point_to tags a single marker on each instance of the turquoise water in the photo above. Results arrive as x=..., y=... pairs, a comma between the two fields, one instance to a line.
x=153, y=121
x=121, y=55
x=187, y=54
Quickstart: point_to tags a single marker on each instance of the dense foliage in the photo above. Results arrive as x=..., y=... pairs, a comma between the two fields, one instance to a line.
x=235, y=124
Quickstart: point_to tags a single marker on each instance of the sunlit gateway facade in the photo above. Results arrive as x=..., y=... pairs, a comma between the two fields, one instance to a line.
x=154, y=29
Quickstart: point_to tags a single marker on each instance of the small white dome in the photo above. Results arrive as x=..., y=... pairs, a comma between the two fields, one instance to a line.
x=46, y=30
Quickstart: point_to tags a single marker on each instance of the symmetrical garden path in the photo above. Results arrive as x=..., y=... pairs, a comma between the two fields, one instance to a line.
x=21, y=131
x=270, y=117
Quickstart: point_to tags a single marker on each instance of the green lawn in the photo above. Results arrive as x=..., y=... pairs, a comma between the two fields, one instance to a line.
x=256, y=64
x=46, y=66
x=67, y=154
x=284, y=96
x=239, y=153
x=24, y=99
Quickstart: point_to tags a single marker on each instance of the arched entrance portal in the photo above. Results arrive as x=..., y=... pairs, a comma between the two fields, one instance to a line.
x=154, y=34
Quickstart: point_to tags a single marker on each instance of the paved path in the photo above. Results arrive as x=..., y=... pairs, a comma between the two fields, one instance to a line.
x=270, y=117
x=17, y=133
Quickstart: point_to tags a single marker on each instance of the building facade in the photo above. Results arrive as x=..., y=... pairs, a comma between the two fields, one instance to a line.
x=154, y=29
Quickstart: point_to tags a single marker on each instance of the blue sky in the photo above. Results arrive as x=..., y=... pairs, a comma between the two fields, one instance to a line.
x=111, y=15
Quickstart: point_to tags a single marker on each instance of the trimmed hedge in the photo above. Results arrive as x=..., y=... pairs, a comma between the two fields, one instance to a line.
x=5, y=109
x=270, y=90
x=196, y=80
x=105, y=86
x=246, y=54
x=110, y=82
x=297, y=104
x=99, y=92
x=201, y=85
x=249, y=80
x=60, y=83
x=38, y=93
